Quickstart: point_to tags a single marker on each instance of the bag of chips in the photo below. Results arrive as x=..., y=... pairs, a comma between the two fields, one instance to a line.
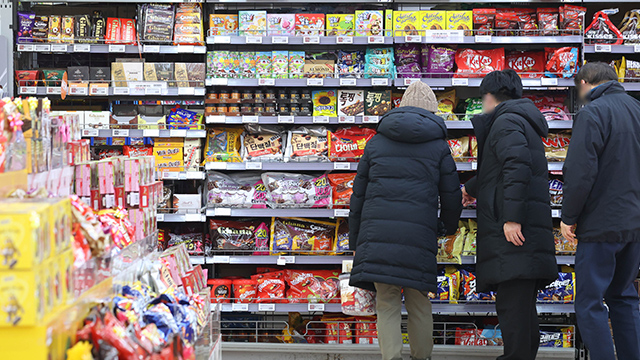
x=468, y=288
x=312, y=286
x=224, y=144
x=447, y=102
x=561, y=290
x=348, y=143
x=459, y=148
x=478, y=63
x=286, y=190
x=450, y=247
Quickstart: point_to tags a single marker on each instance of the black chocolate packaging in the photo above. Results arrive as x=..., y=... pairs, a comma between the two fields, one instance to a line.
x=100, y=73
x=78, y=73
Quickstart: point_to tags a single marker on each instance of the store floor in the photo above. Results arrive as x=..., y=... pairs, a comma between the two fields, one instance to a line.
x=257, y=351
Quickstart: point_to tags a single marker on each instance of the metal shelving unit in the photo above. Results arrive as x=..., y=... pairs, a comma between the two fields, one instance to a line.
x=110, y=49
x=177, y=133
x=114, y=91
x=181, y=218
x=300, y=40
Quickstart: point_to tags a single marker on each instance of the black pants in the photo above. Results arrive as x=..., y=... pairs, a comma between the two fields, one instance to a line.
x=518, y=317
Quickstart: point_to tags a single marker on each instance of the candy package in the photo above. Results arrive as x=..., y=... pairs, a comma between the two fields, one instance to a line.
x=324, y=103
x=239, y=234
x=307, y=144
x=281, y=24
x=366, y=331
x=572, y=19
x=477, y=63
x=302, y=236
x=223, y=24
x=40, y=30
x=474, y=107
x=341, y=188
x=223, y=144
x=338, y=329
x=341, y=243
x=264, y=143
x=183, y=119
x=194, y=242
x=25, y=27
x=460, y=20
x=551, y=107
x=561, y=290
x=252, y=23
x=264, y=63
x=548, y=21
x=309, y=25
x=348, y=143
x=369, y=22
x=340, y=24
x=555, y=192
x=296, y=64
x=459, y=148
x=312, y=286
x=448, y=285
x=247, y=63
x=483, y=21
x=356, y=301
x=350, y=102
x=602, y=31
x=556, y=146
x=280, y=64
x=630, y=27
x=350, y=63
x=286, y=190
x=239, y=191
x=447, y=102
x=528, y=64
x=407, y=23
x=377, y=102
x=188, y=25
x=270, y=287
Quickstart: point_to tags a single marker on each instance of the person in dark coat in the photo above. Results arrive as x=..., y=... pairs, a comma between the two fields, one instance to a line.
x=601, y=209
x=393, y=220
x=515, y=246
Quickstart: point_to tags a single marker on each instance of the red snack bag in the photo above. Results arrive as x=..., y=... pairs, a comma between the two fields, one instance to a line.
x=470, y=337
x=315, y=285
x=477, y=63
x=528, y=64
x=515, y=24
x=270, y=288
x=548, y=21
x=113, y=31
x=602, y=31
x=342, y=188
x=366, y=330
x=562, y=62
x=572, y=19
x=244, y=290
x=483, y=21
x=347, y=143
x=137, y=150
x=338, y=330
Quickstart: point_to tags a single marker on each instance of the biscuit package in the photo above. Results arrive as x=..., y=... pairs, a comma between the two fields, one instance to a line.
x=460, y=20
x=369, y=22
x=340, y=24
x=280, y=64
x=223, y=24
x=301, y=235
x=307, y=144
x=263, y=63
x=264, y=143
x=55, y=28
x=281, y=24
x=244, y=190
x=223, y=144
x=377, y=102
x=433, y=20
x=348, y=143
x=310, y=24
x=350, y=102
x=407, y=23
x=252, y=23
x=286, y=190
x=188, y=24
x=324, y=103
x=562, y=290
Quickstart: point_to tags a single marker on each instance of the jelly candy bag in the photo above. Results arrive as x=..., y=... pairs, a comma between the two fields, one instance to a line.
x=223, y=144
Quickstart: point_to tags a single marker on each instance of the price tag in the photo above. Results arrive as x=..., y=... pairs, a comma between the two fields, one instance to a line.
x=58, y=48
x=32, y=90
x=152, y=91
x=320, y=119
x=367, y=119
x=186, y=49
x=459, y=82
x=348, y=82
x=182, y=175
x=160, y=217
x=280, y=40
x=315, y=82
x=253, y=39
x=194, y=175
x=151, y=49
x=178, y=133
x=42, y=48
x=483, y=39
x=222, y=212
x=341, y=213
x=346, y=119
x=549, y=81
x=170, y=175
x=120, y=132
x=216, y=119
x=380, y=82
x=198, y=92
x=222, y=39
x=282, y=119
x=121, y=91
x=81, y=48
x=79, y=91
x=239, y=307
x=266, y=82
x=376, y=39
x=341, y=166
x=25, y=47
x=151, y=132
x=99, y=91
x=344, y=40
x=221, y=259
x=267, y=307
x=288, y=259
x=474, y=165
x=216, y=81
x=556, y=213
x=249, y=119
x=253, y=165
x=116, y=48
x=193, y=217
x=412, y=38
x=186, y=91
x=280, y=261
x=216, y=166
x=409, y=81
x=311, y=40
x=200, y=50
x=636, y=48
x=604, y=48
x=53, y=91
x=444, y=36
x=90, y=132
x=315, y=307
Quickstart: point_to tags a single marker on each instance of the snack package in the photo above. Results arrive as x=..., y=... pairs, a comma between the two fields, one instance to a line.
x=630, y=27
x=439, y=60
x=244, y=290
x=286, y=190
x=68, y=29
x=528, y=64
x=350, y=102
x=366, y=331
x=238, y=234
x=450, y=247
x=223, y=144
x=468, y=288
x=156, y=22
x=556, y=146
x=338, y=329
x=552, y=107
x=408, y=54
x=572, y=19
x=223, y=24
x=341, y=244
x=460, y=20
x=247, y=64
x=448, y=285
x=548, y=21
x=369, y=22
x=55, y=28
x=341, y=188
x=478, y=63
x=483, y=21
x=312, y=286
x=377, y=102
x=25, y=27
x=459, y=148
x=270, y=287
x=348, y=143
x=433, y=20
x=555, y=192
x=350, y=63
x=407, y=23
x=324, y=103
x=474, y=107
x=281, y=24
x=319, y=68
x=356, y=301
x=561, y=290
x=252, y=23
x=263, y=64
x=40, y=29
x=340, y=24
x=302, y=236
x=447, y=102
x=563, y=246
x=264, y=143
x=188, y=24
x=226, y=64
x=470, y=241
x=602, y=31
x=307, y=144
x=244, y=190
x=296, y=64
x=193, y=242
x=309, y=24
x=280, y=64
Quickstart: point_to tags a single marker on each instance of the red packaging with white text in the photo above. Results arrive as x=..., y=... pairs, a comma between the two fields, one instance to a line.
x=347, y=144
x=548, y=21
x=483, y=21
x=270, y=287
x=338, y=329
x=528, y=64
x=128, y=31
x=366, y=331
x=113, y=34
x=602, y=31
x=572, y=19
x=313, y=286
x=478, y=63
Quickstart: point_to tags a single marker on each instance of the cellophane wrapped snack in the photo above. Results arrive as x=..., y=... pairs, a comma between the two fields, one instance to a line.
x=341, y=188
x=286, y=190
x=307, y=144
x=447, y=102
x=301, y=235
x=556, y=146
x=439, y=61
x=562, y=62
x=264, y=143
x=239, y=234
x=239, y=191
x=356, y=301
x=478, y=63
x=348, y=143
x=224, y=144
x=602, y=31
x=312, y=286
x=572, y=19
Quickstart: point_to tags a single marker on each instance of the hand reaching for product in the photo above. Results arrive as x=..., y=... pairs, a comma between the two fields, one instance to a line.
x=513, y=233
x=466, y=198
x=569, y=232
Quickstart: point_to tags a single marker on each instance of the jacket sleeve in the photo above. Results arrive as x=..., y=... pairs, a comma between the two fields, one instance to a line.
x=357, y=199
x=581, y=165
x=471, y=186
x=450, y=193
x=512, y=152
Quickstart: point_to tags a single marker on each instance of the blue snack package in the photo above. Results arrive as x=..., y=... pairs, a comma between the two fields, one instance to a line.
x=561, y=290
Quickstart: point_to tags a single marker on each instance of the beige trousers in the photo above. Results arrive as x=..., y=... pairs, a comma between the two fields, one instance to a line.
x=420, y=322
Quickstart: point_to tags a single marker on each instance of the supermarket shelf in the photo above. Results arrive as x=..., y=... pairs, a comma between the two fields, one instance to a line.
x=633, y=86
x=520, y=40
x=475, y=82
x=116, y=91
x=309, y=213
x=197, y=260
x=318, y=82
x=115, y=49
x=180, y=133
x=181, y=175
x=181, y=218
x=222, y=119
x=614, y=49
x=472, y=166
x=277, y=260
x=300, y=40
x=283, y=166
x=560, y=124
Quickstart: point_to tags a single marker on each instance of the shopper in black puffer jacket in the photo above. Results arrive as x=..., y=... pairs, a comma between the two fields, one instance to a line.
x=516, y=252
x=394, y=217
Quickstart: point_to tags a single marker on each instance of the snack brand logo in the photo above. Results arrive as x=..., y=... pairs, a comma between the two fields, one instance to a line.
x=565, y=57
x=522, y=63
x=365, y=16
x=305, y=21
x=274, y=20
x=270, y=283
x=301, y=278
x=556, y=142
x=406, y=17
x=346, y=147
x=546, y=337
x=560, y=284
x=261, y=233
x=232, y=231
x=217, y=20
x=325, y=107
x=478, y=61
x=246, y=17
x=435, y=16
x=459, y=17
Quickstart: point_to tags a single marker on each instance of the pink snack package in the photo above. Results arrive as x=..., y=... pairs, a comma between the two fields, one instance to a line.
x=281, y=24
x=262, y=239
x=286, y=190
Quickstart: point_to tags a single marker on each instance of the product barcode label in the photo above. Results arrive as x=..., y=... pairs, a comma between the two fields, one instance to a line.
x=81, y=48
x=58, y=48
x=412, y=38
x=186, y=49
x=222, y=39
x=346, y=119
x=459, y=82
x=315, y=307
x=253, y=39
x=99, y=91
x=31, y=90
x=283, y=119
x=53, y=90
x=253, y=165
x=160, y=217
x=42, y=48
x=344, y=40
x=474, y=165
x=222, y=212
x=249, y=119
x=286, y=260
x=483, y=39
x=186, y=91
x=239, y=307
x=266, y=307
x=341, y=166
x=409, y=81
x=221, y=259
x=368, y=119
x=121, y=91
x=216, y=119
x=116, y=48
x=380, y=82
x=605, y=48
x=549, y=82
x=315, y=82
x=311, y=40
x=280, y=40
x=150, y=132
x=266, y=82
x=193, y=217
x=79, y=91
x=90, y=132
x=152, y=91
x=636, y=48
x=320, y=119
x=376, y=39
x=120, y=132
x=178, y=133
x=170, y=175
x=217, y=166
x=341, y=213
x=151, y=49
x=347, y=82
x=25, y=47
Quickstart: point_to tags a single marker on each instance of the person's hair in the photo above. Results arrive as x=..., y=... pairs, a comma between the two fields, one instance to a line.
x=596, y=73
x=503, y=85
